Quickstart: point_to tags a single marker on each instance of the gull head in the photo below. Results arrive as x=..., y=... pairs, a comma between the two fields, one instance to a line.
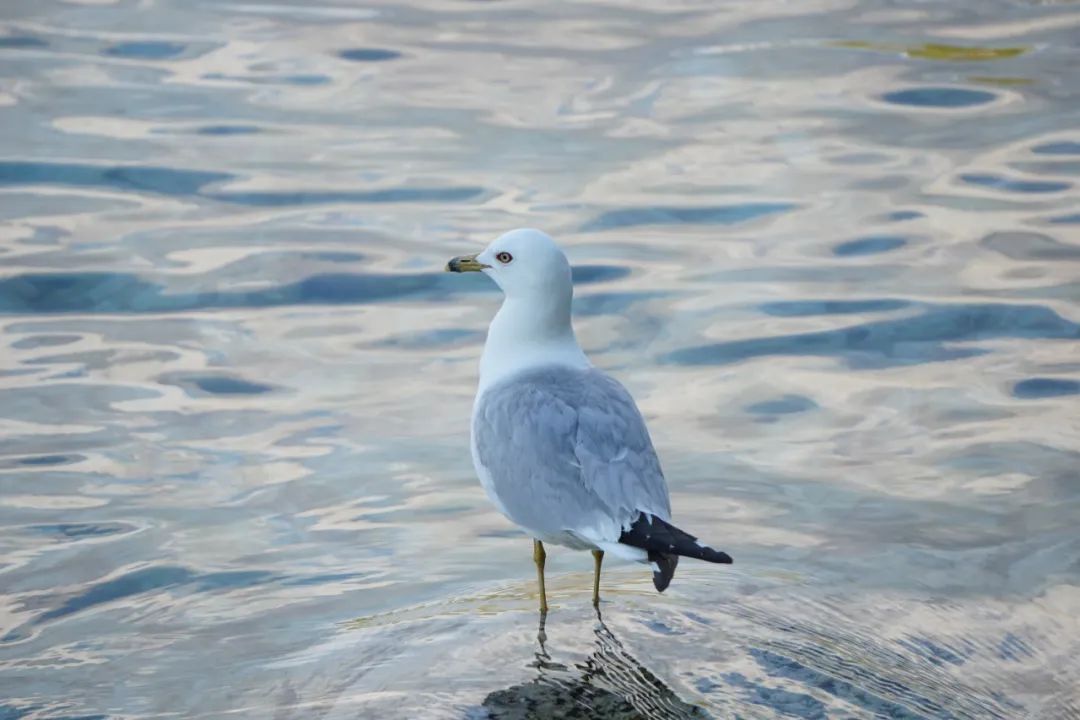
x=522, y=262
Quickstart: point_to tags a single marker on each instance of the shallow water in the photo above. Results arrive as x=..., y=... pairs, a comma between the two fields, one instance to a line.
x=831, y=247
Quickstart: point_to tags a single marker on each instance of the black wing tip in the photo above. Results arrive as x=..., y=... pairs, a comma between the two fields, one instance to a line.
x=649, y=532
x=716, y=556
x=664, y=564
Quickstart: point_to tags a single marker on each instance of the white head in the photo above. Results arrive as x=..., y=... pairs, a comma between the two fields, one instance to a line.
x=533, y=326
x=523, y=262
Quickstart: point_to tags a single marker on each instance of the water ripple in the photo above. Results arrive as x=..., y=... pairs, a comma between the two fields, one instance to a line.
x=235, y=382
x=146, y=50
x=927, y=337
x=940, y=97
x=1035, y=388
x=184, y=183
x=369, y=55
x=869, y=245
x=1014, y=185
x=161, y=180
x=126, y=293
x=21, y=42
x=715, y=215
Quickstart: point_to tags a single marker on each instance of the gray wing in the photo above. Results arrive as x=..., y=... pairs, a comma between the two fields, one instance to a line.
x=568, y=451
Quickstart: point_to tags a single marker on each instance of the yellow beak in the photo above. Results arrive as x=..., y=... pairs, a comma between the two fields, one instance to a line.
x=465, y=263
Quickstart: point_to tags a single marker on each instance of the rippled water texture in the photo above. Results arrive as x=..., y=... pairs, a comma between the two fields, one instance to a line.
x=833, y=247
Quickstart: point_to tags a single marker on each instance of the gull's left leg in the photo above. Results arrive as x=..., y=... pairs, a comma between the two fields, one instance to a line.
x=598, y=557
x=539, y=557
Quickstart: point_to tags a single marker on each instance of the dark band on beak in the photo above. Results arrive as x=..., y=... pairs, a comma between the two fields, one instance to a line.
x=465, y=263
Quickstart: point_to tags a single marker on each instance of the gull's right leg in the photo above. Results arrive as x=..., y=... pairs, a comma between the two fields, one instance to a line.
x=598, y=557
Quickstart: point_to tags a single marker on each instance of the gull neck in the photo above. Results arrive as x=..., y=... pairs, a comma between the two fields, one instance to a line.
x=528, y=332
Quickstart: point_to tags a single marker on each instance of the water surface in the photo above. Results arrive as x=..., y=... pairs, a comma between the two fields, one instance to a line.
x=831, y=247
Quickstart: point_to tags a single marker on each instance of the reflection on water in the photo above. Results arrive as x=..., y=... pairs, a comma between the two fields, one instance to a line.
x=609, y=685
x=830, y=246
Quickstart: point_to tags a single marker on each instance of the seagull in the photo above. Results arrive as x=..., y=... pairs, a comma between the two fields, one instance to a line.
x=559, y=446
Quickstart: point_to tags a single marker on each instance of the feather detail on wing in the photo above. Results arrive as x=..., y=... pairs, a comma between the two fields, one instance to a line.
x=567, y=451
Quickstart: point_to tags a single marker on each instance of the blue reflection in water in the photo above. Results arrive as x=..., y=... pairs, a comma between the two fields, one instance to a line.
x=869, y=245
x=902, y=215
x=784, y=405
x=928, y=337
x=146, y=50
x=40, y=460
x=1035, y=388
x=781, y=666
x=150, y=579
x=22, y=42
x=161, y=180
x=805, y=308
x=75, y=531
x=1061, y=147
x=369, y=54
x=180, y=183
x=307, y=80
x=713, y=215
x=794, y=704
x=1015, y=185
x=125, y=293
x=220, y=385
x=939, y=97
x=310, y=197
x=226, y=130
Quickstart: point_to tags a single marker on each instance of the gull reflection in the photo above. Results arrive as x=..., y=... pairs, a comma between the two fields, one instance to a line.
x=608, y=685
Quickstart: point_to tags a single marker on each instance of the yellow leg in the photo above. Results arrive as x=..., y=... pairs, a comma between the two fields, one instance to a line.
x=598, y=556
x=539, y=556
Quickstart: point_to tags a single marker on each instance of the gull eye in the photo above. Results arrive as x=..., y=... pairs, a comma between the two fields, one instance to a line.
x=504, y=257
